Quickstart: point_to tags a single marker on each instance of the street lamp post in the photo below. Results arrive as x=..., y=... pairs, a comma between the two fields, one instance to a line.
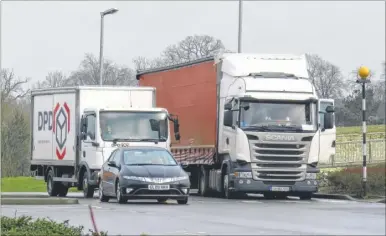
x=363, y=74
x=240, y=25
x=107, y=12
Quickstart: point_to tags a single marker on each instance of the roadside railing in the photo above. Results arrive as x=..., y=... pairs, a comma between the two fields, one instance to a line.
x=350, y=153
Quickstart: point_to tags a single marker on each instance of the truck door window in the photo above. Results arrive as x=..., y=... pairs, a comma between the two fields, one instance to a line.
x=91, y=126
x=322, y=109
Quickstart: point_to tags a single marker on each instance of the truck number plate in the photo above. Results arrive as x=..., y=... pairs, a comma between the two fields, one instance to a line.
x=280, y=189
x=159, y=187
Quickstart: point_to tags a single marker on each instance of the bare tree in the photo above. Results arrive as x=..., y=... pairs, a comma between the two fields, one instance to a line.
x=11, y=87
x=88, y=73
x=188, y=49
x=326, y=77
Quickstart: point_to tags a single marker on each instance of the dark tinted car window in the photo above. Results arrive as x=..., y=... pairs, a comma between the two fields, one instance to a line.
x=148, y=157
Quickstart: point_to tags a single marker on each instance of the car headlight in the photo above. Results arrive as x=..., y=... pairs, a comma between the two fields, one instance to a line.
x=156, y=180
x=243, y=175
x=310, y=175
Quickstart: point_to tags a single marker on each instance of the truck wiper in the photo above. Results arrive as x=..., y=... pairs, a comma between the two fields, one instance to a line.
x=122, y=140
x=148, y=140
x=258, y=127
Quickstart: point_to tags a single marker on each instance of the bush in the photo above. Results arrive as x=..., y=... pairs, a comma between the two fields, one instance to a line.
x=349, y=180
x=25, y=226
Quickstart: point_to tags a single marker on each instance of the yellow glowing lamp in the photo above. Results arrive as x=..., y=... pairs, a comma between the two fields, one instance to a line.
x=363, y=72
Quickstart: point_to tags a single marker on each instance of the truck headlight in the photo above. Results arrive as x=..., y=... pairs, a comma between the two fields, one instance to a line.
x=243, y=175
x=310, y=175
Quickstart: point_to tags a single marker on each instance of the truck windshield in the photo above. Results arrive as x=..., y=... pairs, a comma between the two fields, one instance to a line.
x=133, y=126
x=282, y=117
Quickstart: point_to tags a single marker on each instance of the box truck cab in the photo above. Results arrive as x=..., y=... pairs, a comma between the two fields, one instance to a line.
x=74, y=131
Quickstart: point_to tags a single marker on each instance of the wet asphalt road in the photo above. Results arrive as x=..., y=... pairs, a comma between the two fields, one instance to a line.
x=215, y=216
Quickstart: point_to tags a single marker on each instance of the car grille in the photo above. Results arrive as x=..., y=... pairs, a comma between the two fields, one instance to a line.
x=280, y=160
x=157, y=192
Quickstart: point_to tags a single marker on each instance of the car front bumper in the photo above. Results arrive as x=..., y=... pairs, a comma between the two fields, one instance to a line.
x=135, y=190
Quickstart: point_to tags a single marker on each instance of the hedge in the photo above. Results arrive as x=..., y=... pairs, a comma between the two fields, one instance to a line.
x=348, y=180
x=25, y=226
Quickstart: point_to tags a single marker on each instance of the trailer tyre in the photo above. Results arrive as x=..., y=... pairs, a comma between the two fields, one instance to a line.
x=52, y=187
x=204, y=190
x=88, y=191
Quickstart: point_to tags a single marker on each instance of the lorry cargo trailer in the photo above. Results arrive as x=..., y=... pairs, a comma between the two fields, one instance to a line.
x=250, y=123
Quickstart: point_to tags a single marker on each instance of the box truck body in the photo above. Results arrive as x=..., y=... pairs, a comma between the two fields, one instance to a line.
x=273, y=159
x=69, y=125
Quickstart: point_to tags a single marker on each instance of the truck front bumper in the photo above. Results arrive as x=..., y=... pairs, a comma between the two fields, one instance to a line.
x=258, y=186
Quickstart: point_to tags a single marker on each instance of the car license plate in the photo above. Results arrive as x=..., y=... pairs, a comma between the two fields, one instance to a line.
x=159, y=187
x=280, y=189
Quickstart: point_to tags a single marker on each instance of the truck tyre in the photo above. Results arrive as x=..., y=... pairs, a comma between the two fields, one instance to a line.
x=63, y=190
x=120, y=199
x=305, y=196
x=88, y=191
x=102, y=197
x=204, y=190
x=226, y=193
x=182, y=201
x=52, y=187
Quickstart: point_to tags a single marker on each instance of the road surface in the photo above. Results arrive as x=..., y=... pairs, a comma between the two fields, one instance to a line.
x=215, y=216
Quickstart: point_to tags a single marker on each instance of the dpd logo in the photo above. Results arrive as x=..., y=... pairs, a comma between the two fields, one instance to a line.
x=61, y=128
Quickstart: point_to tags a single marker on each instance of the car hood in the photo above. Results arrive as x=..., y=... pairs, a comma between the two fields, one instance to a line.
x=154, y=171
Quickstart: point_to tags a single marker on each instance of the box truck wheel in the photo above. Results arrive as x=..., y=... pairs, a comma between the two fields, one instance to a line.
x=204, y=182
x=88, y=191
x=52, y=187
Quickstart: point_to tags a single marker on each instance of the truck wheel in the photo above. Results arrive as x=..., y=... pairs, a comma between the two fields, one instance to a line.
x=52, y=187
x=88, y=191
x=305, y=196
x=226, y=193
x=204, y=190
x=63, y=190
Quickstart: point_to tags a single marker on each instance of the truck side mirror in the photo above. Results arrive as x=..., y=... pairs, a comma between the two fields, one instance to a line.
x=330, y=109
x=83, y=135
x=154, y=124
x=228, y=106
x=228, y=118
x=328, y=120
x=177, y=129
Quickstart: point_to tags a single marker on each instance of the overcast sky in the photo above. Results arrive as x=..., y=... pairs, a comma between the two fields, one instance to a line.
x=39, y=37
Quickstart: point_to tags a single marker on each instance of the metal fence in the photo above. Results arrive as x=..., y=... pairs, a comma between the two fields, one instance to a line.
x=350, y=152
x=358, y=136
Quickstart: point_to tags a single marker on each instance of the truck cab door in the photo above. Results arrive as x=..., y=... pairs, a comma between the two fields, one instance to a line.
x=89, y=140
x=327, y=136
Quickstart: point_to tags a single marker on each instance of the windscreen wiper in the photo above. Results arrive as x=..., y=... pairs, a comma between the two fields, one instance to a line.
x=258, y=127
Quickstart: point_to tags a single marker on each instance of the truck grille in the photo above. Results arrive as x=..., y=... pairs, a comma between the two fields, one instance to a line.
x=279, y=161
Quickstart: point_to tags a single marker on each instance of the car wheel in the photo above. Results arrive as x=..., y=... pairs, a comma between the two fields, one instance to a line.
x=88, y=191
x=183, y=201
x=102, y=197
x=162, y=200
x=121, y=199
x=52, y=187
x=63, y=190
x=305, y=196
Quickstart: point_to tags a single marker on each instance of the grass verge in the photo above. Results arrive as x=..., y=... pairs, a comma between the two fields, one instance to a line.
x=348, y=180
x=25, y=184
x=358, y=129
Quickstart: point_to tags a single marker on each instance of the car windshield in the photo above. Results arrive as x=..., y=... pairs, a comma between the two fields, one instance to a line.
x=279, y=116
x=133, y=126
x=148, y=157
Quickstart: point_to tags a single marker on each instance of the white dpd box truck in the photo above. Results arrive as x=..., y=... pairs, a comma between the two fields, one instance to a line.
x=67, y=143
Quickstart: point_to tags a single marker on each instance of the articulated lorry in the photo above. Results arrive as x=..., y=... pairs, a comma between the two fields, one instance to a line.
x=75, y=129
x=250, y=123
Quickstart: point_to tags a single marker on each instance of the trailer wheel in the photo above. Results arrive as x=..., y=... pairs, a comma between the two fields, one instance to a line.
x=88, y=191
x=52, y=187
x=203, y=188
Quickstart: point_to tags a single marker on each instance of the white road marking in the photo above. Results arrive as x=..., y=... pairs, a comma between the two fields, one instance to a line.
x=251, y=201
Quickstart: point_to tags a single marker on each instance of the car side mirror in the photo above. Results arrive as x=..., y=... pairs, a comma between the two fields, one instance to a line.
x=112, y=164
x=183, y=165
x=328, y=121
x=228, y=118
x=330, y=109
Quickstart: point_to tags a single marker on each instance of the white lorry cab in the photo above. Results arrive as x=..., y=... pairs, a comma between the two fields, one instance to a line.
x=75, y=129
